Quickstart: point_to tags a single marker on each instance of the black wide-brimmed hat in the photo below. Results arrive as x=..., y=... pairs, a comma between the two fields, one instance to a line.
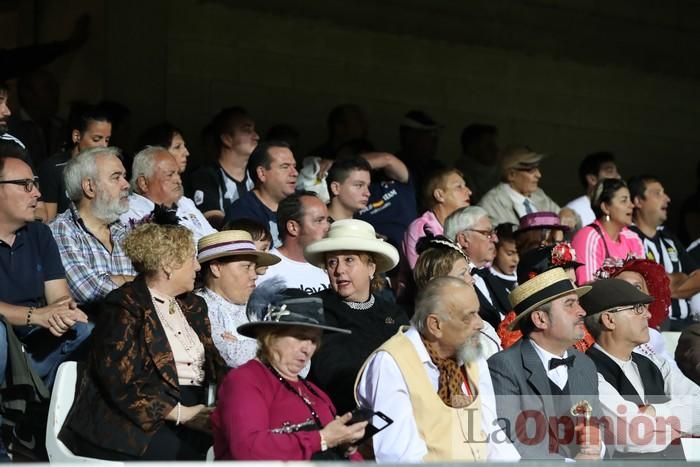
x=539, y=290
x=609, y=294
x=272, y=304
x=544, y=258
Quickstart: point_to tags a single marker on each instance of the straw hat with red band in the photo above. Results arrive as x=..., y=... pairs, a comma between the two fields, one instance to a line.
x=232, y=243
x=539, y=290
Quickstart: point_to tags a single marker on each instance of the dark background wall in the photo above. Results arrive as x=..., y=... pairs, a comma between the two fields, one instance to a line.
x=565, y=77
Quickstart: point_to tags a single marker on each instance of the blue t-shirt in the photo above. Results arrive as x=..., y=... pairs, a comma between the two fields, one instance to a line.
x=249, y=206
x=390, y=210
x=24, y=267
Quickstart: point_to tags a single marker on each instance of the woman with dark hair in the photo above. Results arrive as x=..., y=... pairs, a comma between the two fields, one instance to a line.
x=169, y=137
x=354, y=258
x=229, y=262
x=89, y=127
x=608, y=236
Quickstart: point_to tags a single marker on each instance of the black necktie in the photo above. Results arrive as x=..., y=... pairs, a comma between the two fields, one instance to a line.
x=555, y=362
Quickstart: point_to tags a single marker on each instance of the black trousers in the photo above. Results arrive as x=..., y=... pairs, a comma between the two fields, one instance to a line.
x=170, y=442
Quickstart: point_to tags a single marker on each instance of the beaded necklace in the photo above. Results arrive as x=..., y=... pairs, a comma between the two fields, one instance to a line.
x=298, y=393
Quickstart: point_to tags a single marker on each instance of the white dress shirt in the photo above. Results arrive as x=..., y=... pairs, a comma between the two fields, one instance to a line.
x=383, y=388
x=684, y=407
x=187, y=212
x=519, y=201
x=560, y=374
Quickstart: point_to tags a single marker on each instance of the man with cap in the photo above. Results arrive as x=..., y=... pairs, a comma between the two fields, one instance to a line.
x=519, y=192
x=541, y=380
x=636, y=390
x=439, y=355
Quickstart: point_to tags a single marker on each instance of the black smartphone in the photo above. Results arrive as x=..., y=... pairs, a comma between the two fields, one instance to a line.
x=362, y=414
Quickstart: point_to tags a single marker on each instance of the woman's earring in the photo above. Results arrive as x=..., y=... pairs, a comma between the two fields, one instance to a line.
x=607, y=218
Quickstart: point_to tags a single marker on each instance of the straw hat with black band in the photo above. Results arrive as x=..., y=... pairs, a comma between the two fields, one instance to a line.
x=352, y=235
x=232, y=243
x=539, y=290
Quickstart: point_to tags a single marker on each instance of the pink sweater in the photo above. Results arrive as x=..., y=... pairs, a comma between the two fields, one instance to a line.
x=590, y=249
x=415, y=231
x=252, y=401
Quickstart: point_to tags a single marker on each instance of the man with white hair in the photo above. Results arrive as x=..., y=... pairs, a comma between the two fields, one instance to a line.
x=472, y=229
x=439, y=355
x=89, y=234
x=155, y=180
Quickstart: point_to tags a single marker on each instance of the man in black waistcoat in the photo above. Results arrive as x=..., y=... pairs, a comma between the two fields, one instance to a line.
x=648, y=401
x=541, y=379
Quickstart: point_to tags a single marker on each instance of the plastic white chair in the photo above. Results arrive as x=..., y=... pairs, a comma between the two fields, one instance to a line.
x=61, y=402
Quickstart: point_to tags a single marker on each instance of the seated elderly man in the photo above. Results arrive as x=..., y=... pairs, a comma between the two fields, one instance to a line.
x=431, y=380
x=519, y=193
x=89, y=234
x=155, y=180
x=539, y=381
x=635, y=390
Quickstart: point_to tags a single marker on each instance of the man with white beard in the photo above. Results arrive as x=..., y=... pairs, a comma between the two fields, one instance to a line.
x=89, y=234
x=432, y=381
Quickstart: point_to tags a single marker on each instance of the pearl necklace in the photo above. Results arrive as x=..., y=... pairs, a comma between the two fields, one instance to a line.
x=361, y=306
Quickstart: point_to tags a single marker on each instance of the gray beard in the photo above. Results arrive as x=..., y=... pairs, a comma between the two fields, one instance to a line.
x=107, y=210
x=470, y=351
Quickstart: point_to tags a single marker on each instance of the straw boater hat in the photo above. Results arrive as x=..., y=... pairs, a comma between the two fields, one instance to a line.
x=272, y=304
x=352, y=235
x=232, y=243
x=541, y=289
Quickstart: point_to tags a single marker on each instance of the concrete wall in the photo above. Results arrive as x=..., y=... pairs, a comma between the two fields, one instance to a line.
x=567, y=78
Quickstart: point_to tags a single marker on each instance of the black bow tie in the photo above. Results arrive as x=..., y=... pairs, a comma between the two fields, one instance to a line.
x=555, y=362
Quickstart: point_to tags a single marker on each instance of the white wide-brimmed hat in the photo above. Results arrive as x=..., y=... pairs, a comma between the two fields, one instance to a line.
x=232, y=243
x=352, y=235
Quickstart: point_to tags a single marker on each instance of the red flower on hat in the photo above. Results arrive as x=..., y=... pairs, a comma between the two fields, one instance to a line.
x=508, y=337
x=562, y=254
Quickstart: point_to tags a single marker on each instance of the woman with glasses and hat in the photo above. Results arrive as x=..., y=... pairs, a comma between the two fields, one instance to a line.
x=143, y=393
x=353, y=257
x=229, y=262
x=266, y=410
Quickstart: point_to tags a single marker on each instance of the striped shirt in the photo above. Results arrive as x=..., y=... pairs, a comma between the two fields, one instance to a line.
x=88, y=263
x=590, y=249
x=665, y=249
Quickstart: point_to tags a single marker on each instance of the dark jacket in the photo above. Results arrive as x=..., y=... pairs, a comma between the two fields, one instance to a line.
x=335, y=364
x=130, y=383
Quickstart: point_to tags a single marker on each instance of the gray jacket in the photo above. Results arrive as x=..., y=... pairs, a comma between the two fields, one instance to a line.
x=523, y=392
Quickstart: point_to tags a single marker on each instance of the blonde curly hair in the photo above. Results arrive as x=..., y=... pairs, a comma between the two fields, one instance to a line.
x=151, y=247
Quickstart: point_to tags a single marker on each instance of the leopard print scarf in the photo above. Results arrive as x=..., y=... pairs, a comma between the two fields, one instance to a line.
x=450, y=381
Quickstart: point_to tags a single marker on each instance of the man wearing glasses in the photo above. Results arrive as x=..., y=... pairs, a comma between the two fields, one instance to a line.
x=35, y=303
x=520, y=193
x=648, y=401
x=472, y=229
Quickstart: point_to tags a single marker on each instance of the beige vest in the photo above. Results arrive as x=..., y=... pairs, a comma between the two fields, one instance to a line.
x=449, y=434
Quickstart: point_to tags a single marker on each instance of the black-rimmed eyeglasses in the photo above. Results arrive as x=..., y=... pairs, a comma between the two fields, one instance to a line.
x=27, y=183
x=489, y=234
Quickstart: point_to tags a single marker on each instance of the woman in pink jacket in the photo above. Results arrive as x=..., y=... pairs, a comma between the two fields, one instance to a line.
x=608, y=236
